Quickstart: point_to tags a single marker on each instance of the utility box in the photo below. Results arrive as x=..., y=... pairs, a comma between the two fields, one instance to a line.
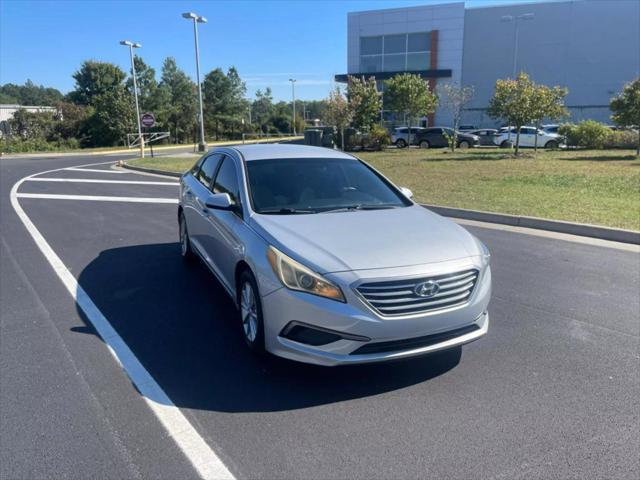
x=313, y=137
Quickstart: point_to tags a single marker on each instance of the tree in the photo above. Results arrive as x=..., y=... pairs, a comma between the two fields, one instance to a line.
x=262, y=109
x=95, y=79
x=223, y=98
x=177, y=102
x=454, y=98
x=338, y=112
x=364, y=102
x=147, y=85
x=112, y=119
x=409, y=94
x=547, y=102
x=29, y=94
x=32, y=125
x=513, y=102
x=626, y=107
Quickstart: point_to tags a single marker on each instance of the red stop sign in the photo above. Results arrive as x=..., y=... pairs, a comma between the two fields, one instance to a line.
x=148, y=120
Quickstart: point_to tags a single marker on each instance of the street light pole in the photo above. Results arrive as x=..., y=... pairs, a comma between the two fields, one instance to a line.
x=131, y=46
x=516, y=19
x=202, y=146
x=293, y=96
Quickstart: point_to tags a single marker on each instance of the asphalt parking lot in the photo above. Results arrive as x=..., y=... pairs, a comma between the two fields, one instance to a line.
x=553, y=391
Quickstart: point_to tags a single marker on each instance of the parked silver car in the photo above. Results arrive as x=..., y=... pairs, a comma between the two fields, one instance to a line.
x=329, y=262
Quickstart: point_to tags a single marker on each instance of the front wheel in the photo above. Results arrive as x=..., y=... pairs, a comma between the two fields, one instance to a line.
x=505, y=144
x=463, y=144
x=185, y=244
x=424, y=144
x=251, y=312
x=401, y=143
x=551, y=144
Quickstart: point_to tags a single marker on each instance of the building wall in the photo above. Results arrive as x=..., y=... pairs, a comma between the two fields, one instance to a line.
x=592, y=47
x=447, y=19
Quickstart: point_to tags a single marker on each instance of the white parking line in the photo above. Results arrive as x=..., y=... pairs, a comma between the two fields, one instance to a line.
x=93, y=180
x=97, y=198
x=207, y=464
x=78, y=169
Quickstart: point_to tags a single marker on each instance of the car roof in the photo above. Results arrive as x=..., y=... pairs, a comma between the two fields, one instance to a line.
x=278, y=150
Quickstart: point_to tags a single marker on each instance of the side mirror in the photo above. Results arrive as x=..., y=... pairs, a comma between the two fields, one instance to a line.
x=219, y=201
x=406, y=192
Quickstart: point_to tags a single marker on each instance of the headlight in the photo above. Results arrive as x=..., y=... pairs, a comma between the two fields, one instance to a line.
x=486, y=255
x=296, y=276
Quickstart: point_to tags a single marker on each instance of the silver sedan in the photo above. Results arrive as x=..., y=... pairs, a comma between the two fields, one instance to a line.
x=328, y=261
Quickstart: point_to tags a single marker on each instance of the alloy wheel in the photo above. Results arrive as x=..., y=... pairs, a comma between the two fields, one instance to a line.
x=249, y=312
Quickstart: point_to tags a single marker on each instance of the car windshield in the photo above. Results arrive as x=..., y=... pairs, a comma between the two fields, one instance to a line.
x=315, y=185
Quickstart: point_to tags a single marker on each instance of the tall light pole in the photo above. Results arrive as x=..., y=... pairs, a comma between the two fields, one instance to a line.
x=293, y=96
x=516, y=19
x=202, y=146
x=131, y=46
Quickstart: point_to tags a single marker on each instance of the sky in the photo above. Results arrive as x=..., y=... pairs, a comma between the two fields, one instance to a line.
x=268, y=41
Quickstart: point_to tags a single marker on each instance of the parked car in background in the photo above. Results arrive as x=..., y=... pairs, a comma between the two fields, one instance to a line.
x=485, y=135
x=400, y=135
x=466, y=128
x=327, y=261
x=552, y=128
x=434, y=137
x=528, y=136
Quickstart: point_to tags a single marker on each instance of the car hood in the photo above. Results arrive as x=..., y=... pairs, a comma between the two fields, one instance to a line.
x=366, y=239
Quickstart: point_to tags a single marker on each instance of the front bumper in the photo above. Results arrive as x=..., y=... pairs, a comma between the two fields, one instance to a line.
x=356, y=319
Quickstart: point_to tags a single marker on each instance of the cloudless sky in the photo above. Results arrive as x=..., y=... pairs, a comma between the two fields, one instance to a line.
x=267, y=41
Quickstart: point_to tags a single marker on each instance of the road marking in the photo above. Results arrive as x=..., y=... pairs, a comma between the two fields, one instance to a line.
x=93, y=180
x=97, y=198
x=77, y=169
x=198, y=452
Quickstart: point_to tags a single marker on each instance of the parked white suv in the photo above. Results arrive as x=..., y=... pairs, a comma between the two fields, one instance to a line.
x=528, y=135
x=400, y=135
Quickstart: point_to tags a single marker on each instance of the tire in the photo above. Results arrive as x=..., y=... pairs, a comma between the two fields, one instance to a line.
x=250, y=307
x=185, y=243
x=505, y=144
x=552, y=144
x=401, y=143
x=424, y=144
x=463, y=144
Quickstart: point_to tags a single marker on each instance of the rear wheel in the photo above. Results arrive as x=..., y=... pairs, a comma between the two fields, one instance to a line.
x=401, y=143
x=463, y=144
x=424, y=144
x=251, y=312
x=551, y=144
x=185, y=244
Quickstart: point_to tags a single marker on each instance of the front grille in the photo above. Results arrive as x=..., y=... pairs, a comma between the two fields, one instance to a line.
x=398, y=297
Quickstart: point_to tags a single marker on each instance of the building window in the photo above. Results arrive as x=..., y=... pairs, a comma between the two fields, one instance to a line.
x=395, y=53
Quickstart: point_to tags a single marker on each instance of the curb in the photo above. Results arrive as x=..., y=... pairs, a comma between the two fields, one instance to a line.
x=583, y=230
x=152, y=170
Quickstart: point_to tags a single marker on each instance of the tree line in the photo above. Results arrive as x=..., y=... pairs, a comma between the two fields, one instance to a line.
x=100, y=110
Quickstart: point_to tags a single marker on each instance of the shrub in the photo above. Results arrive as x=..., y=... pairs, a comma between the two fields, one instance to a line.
x=587, y=134
x=622, y=139
x=379, y=137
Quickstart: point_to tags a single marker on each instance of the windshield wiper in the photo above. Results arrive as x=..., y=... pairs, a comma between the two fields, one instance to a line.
x=348, y=208
x=286, y=211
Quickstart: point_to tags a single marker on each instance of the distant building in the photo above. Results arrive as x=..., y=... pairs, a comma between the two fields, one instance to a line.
x=592, y=47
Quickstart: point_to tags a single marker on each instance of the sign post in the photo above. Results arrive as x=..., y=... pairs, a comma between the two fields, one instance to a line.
x=148, y=120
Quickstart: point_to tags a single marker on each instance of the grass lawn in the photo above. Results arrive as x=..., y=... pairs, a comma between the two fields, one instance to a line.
x=597, y=187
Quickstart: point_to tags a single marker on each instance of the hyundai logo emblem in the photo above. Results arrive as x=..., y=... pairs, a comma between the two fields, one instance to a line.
x=426, y=289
